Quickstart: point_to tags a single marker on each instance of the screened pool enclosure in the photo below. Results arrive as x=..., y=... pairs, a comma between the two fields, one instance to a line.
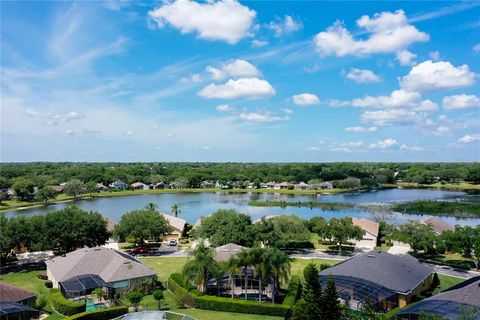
x=82, y=285
x=156, y=315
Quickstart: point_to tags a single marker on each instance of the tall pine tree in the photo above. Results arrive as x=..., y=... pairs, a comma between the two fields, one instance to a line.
x=331, y=309
x=308, y=308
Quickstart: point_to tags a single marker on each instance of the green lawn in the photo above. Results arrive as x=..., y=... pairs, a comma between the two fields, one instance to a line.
x=165, y=266
x=299, y=264
x=446, y=282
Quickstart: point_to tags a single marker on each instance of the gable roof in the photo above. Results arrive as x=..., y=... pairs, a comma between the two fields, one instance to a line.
x=223, y=253
x=111, y=265
x=138, y=184
x=467, y=292
x=9, y=292
x=400, y=273
x=175, y=222
x=439, y=226
x=368, y=225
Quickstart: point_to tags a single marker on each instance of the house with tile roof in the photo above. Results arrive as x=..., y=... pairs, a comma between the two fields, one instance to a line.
x=439, y=226
x=177, y=224
x=371, y=228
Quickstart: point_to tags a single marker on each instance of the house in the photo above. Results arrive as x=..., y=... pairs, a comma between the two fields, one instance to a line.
x=101, y=187
x=57, y=189
x=16, y=303
x=325, y=186
x=270, y=185
x=282, y=185
x=98, y=267
x=159, y=185
x=439, y=226
x=371, y=229
x=111, y=225
x=223, y=253
x=382, y=280
x=251, y=185
x=118, y=185
x=302, y=186
x=447, y=304
x=177, y=224
x=139, y=186
x=206, y=184
x=220, y=185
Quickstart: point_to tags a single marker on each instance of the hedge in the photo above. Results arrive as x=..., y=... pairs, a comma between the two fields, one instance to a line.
x=102, y=314
x=48, y=284
x=193, y=298
x=293, y=292
x=65, y=306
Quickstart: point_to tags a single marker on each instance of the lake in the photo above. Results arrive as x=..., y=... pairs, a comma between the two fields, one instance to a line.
x=196, y=205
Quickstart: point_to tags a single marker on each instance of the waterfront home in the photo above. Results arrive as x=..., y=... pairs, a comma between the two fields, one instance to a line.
x=58, y=188
x=206, y=184
x=325, y=186
x=438, y=226
x=118, y=185
x=251, y=185
x=177, y=225
x=139, y=186
x=16, y=303
x=101, y=187
x=270, y=185
x=371, y=229
x=220, y=185
x=302, y=186
x=159, y=185
x=382, y=280
x=282, y=185
x=99, y=267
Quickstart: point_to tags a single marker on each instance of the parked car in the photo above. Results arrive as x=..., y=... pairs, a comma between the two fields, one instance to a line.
x=172, y=243
x=140, y=250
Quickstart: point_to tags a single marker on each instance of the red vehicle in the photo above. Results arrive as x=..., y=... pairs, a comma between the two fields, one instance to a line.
x=140, y=250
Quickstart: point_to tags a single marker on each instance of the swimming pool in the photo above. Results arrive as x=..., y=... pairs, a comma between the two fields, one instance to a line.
x=91, y=306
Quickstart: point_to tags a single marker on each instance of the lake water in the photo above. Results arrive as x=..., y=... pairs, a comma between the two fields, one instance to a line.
x=196, y=205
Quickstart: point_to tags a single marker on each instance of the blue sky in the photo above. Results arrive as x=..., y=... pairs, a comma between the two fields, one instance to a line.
x=240, y=81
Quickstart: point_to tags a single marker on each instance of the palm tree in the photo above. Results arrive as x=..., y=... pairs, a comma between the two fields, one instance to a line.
x=151, y=206
x=176, y=210
x=261, y=266
x=231, y=266
x=280, y=264
x=203, y=264
x=243, y=259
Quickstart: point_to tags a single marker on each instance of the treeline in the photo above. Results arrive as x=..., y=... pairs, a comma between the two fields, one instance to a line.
x=191, y=174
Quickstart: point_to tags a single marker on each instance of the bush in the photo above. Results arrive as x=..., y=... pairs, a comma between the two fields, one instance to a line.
x=300, y=245
x=42, y=276
x=176, y=284
x=41, y=302
x=102, y=314
x=64, y=306
x=48, y=284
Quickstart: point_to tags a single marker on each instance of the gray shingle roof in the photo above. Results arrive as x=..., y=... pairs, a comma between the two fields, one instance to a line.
x=111, y=265
x=469, y=294
x=10, y=292
x=223, y=253
x=400, y=273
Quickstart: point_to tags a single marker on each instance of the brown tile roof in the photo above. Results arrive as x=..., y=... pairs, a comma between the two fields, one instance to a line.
x=367, y=225
x=439, y=226
x=175, y=222
x=111, y=225
x=10, y=292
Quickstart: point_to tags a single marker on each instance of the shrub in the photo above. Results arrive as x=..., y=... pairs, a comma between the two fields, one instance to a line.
x=297, y=244
x=176, y=284
x=48, y=284
x=293, y=292
x=102, y=314
x=41, y=302
x=64, y=306
x=42, y=276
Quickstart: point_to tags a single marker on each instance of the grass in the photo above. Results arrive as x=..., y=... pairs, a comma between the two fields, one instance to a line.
x=460, y=186
x=433, y=207
x=165, y=266
x=330, y=206
x=446, y=282
x=299, y=264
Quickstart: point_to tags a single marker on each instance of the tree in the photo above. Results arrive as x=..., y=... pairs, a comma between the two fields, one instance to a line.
x=341, y=230
x=176, y=210
x=280, y=267
x=75, y=188
x=418, y=235
x=330, y=305
x=141, y=225
x=261, y=267
x=98, y=293
x=24, y=189
x=244, y=261
x=312, y=291
x=301, y=311
x=464, y=240
x=231, y=266
x=6, y=243
x=135, y=297
x=158, y=296
x=45, y=194
x=319, y=226
x=203, y=264
x=265, y=233
x=91, y=188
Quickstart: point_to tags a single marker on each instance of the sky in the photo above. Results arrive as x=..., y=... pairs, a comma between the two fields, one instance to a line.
x=254, y=81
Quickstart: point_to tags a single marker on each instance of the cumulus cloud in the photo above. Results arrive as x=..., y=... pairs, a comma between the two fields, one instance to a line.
x=361, y=129
x=284, y=26
x=393, y=117
x=224, y=108
x=412, y=148
x=476, y=47
x=383, y=144
x=194, y=78
x=259, y=43
x=397, y=99
x=430, y=76
x=405, y=58
x=251, y=88
x=362, y=76
x=388, y=32
x=235, y=69
x=225, y=20
x=442, y=131
x=314, y=148
x=305, y=99
x=341, y=149
x=261, y=117
x=469, y=138
x=461, y=101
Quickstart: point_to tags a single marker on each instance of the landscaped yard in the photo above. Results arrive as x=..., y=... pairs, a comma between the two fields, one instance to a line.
x=299, y=264
x=446, y=282
x=165, y=266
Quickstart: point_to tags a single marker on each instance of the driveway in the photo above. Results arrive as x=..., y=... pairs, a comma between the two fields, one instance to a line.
x=399, y=248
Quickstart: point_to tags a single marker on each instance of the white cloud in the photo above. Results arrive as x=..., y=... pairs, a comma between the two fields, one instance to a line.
x=236, y=69
x=224, y=108
x=259, y=43
x=412, y=148
x=338, y=103
x=392, y=117
x=362, y=76
x=469, y=138
x=476, y=47
x=53, y=119
x=443, y=117
x=70, y=132
x=397, y=99
x=287, y=111
x=428, y=76
x=434, y=55
x=341, y=149
x=442, y=131
x=405, y=58
x=194, y=78
x=241, y=88
x=205, y=148
x=284, y=26
x=383, y=144
x=461, y=101
x=352, y=144
x=361, y=129
x=225, y=20
x=389, y=32
x=314, y=148
x=305, y=99
x=261, y=117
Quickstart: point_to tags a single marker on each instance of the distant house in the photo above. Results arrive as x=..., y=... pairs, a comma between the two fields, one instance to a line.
x=57, y=189
x=108, y=268
x=177, y=224
x=223, y=253
x=371, y=229
x=271, y=185
x=282, y=185
x=101, y=187
x=379, y=279
x=139, y=186
x=302, y=186
x=447, y=304
x=111, y=225
x=325, y=185
x=118, y=185
x=16, y=303
x=251, y=185
x=439, y=226
x=159, y=185
x=220, y=185
x=206, y=184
